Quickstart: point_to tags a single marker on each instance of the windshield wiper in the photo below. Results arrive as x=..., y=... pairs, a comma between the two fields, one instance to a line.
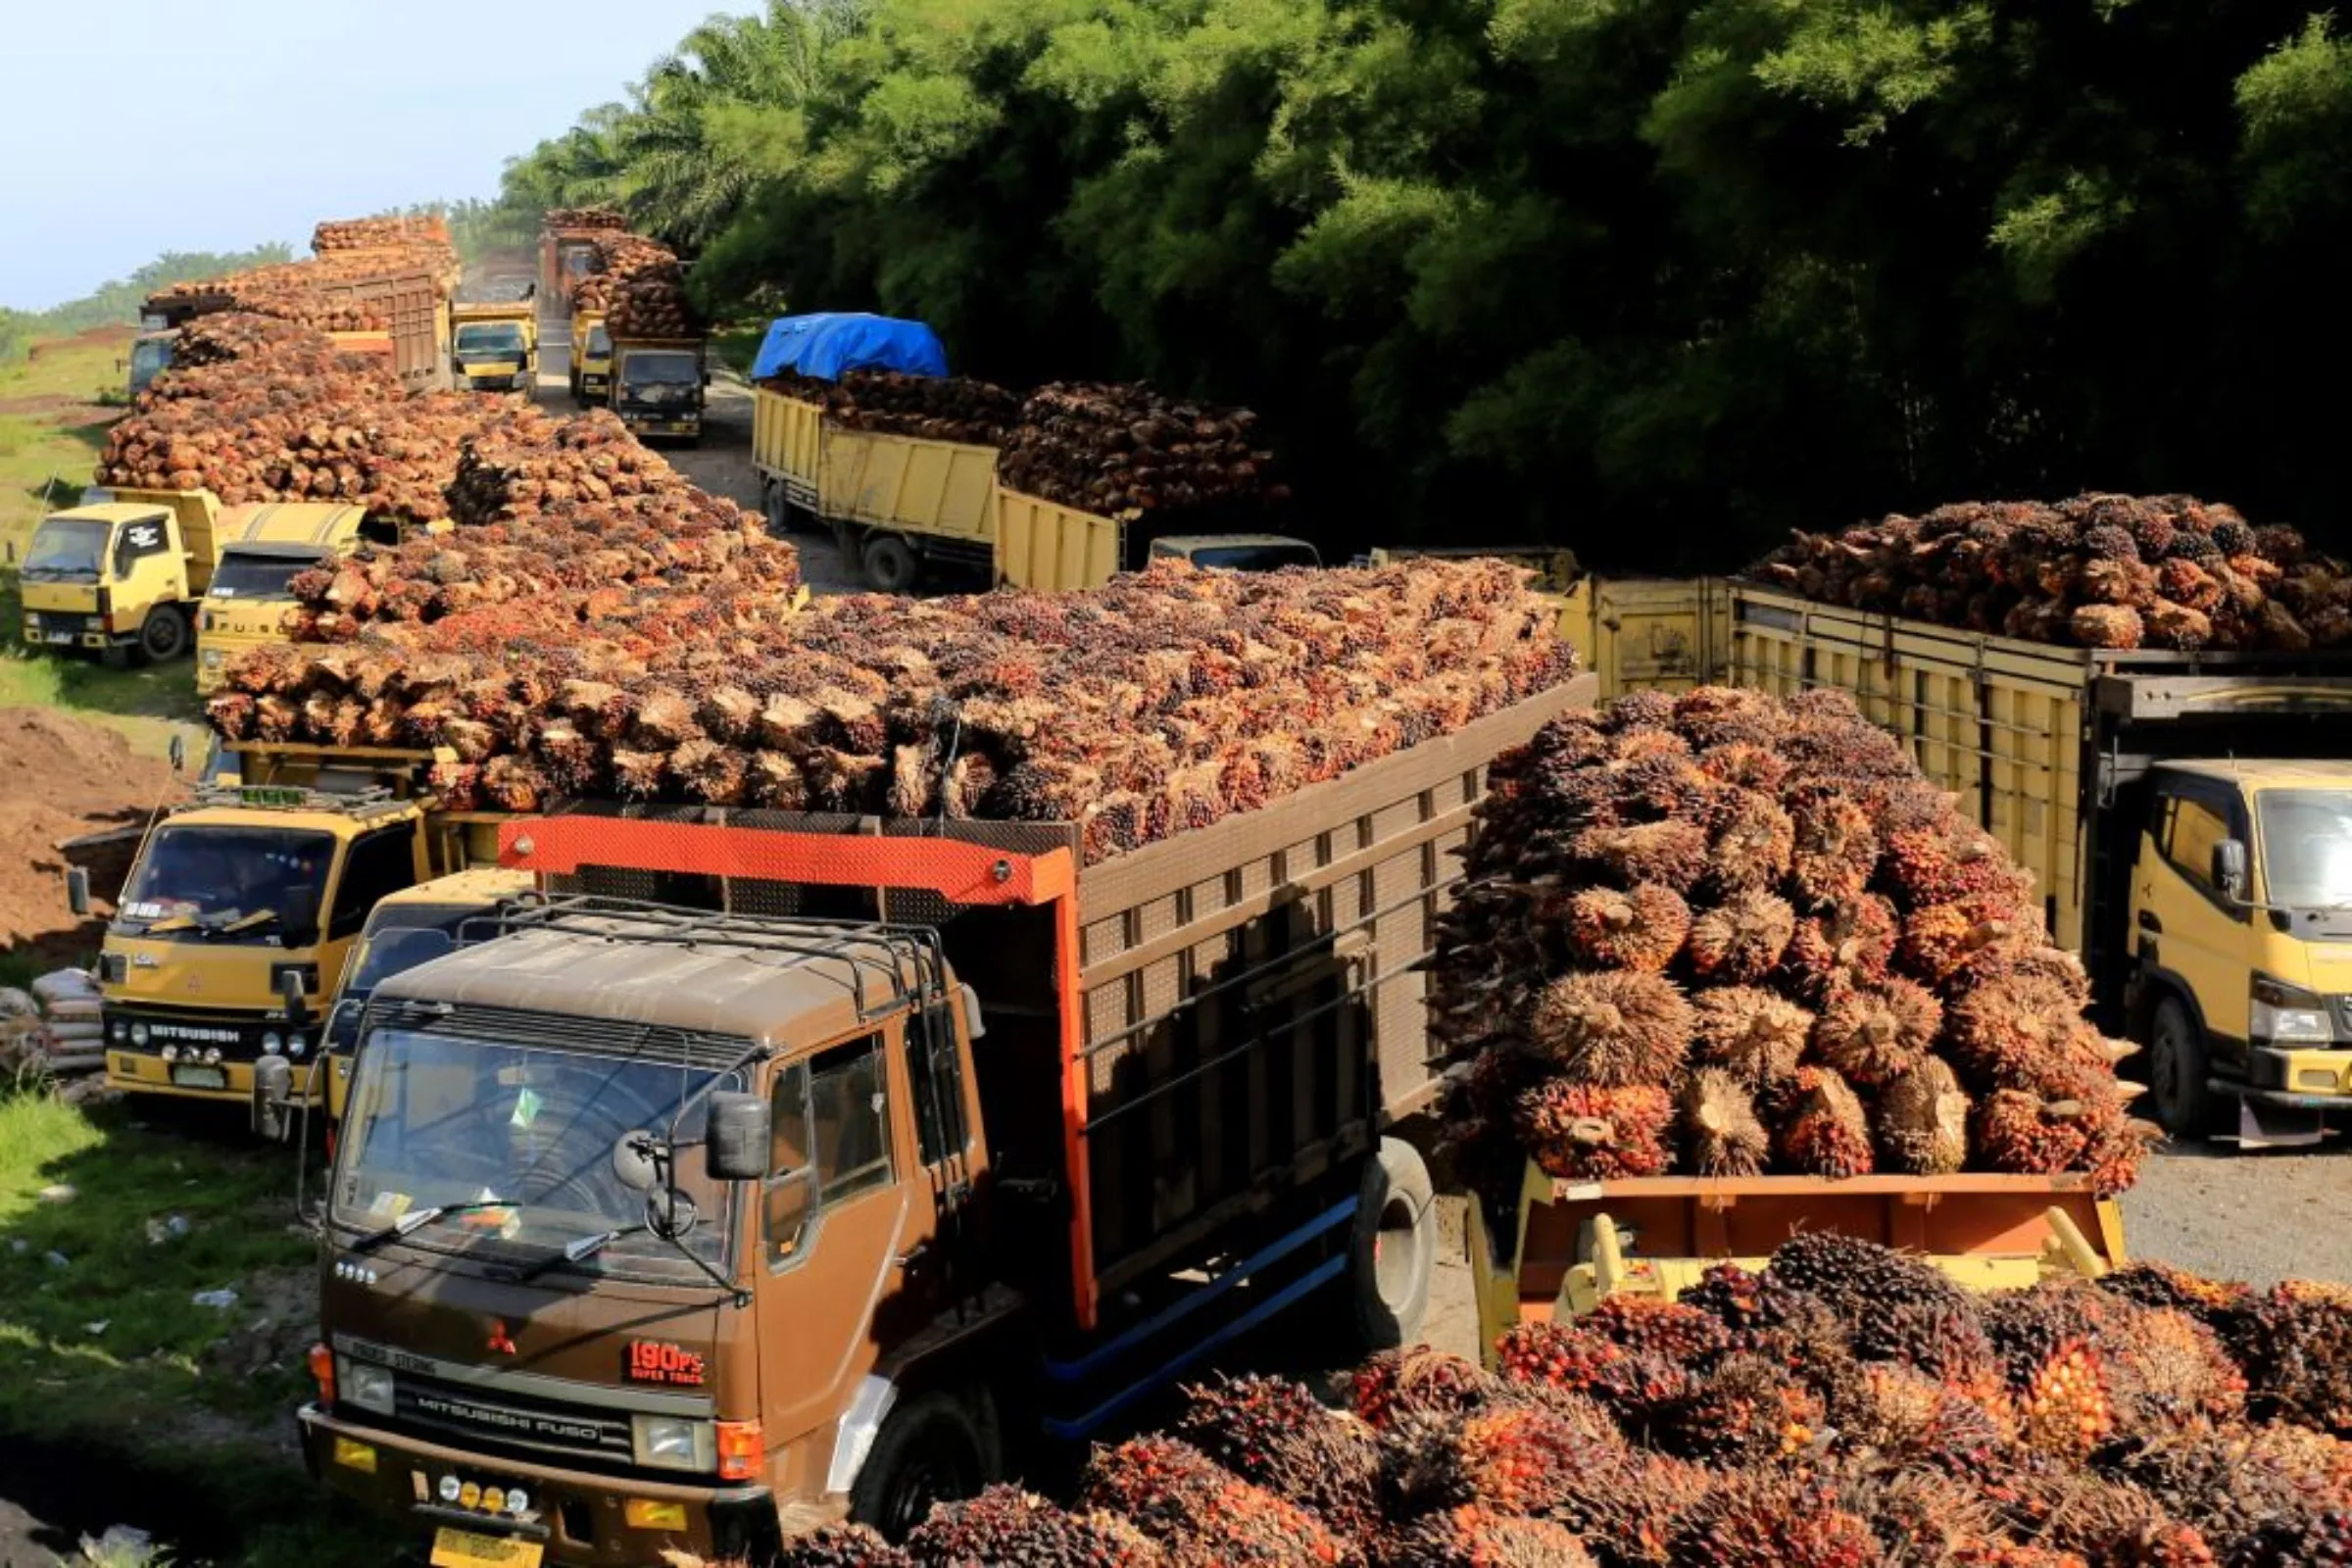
x=408, y=1224
x=577, y=1250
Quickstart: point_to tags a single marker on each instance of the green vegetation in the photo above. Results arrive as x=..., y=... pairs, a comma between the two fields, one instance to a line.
x=117, y=304
x=1653, y=281
x=108, y=1232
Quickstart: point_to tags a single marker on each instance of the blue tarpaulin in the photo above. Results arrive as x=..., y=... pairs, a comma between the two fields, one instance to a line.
x=827, y=344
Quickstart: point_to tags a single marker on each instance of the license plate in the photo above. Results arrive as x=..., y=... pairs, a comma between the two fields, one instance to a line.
x=466, y=1548
x=66, y=637
x=198, y=1077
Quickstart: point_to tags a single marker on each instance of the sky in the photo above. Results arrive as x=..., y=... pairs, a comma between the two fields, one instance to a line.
x=139, y=126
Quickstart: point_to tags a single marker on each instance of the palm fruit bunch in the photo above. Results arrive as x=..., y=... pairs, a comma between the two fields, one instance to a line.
x=1006, y=1525
x=646, y=647
x=1725, y=935
x=2092, y=570
x=933, y=408
x=1125, y=451
x=1848, y=1405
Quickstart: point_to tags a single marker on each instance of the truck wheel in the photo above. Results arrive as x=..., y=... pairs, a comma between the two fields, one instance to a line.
x=1391, y=1247
x=2176, y=1068
x=929, y=1450
x=164, y=635
x=889, y=566
x=778, y=510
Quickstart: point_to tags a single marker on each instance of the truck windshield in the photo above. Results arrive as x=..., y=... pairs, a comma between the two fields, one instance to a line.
x=439, y=1120
x=661, y=377
x=490, y=338
x=255, y=574
x=66, y=548
x=148, y=358
x=2307, y=848
x=201, y=879
x=599, y=343
x=1256, y=558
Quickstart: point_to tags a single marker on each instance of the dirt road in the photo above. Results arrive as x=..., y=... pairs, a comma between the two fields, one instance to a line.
x=721, y=463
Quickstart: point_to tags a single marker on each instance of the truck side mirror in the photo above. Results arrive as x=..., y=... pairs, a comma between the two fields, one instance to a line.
x=273, y=1090
x=78, y=892
x=736, y=1149
x=178, y=752
x=2230, y=869
x=289, y=991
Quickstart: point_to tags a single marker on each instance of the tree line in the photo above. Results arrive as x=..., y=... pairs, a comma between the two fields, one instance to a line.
x=117, y=303
x=1654, y=281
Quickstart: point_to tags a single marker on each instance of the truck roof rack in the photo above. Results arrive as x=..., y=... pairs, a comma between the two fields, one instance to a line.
x=362, y=805
x=881, y=950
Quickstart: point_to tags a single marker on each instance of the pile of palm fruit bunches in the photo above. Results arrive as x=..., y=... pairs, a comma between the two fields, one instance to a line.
x=653, y=662
x=2094, y=572
x=1849, y=1407
x=1723, y=935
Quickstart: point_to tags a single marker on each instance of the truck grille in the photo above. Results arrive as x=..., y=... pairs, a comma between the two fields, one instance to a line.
x=49, y=621
x=511, y=1420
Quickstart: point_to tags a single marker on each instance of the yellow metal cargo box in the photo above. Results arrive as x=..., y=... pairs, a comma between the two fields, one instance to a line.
x=906, y=483
x=1043, y=545
x=787, y=437
x=1647, y=633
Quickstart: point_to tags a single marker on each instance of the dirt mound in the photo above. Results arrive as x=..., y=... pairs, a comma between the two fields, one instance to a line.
x=61, y=778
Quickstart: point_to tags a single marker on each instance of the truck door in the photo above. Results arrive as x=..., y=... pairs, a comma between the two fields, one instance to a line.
x=2183, y=928
x=150, y=566
x=840, y=1210
x=377, y=865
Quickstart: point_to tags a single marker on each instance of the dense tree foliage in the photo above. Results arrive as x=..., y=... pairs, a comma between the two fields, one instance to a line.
x=1653, y=280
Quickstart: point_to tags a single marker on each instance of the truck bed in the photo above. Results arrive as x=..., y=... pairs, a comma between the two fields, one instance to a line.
x=1179, y=1037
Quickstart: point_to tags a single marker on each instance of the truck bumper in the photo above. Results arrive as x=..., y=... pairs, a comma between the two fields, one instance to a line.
x=578, y=1517
x=143, y=1072
x=2321, y=1078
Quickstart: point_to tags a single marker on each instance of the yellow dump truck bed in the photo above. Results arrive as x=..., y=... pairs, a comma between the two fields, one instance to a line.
x=1044, y=545
x=908, y=484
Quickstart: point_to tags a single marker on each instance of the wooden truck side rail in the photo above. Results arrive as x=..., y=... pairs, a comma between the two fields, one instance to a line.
x=1190, y=1033
x=1574, y=1243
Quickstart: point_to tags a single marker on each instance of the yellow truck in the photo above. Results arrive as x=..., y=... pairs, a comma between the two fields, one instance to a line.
x=2187, y=815
x=120, y=575
x=591, y=372
x=494, y=345
x=244, y=904
x=658, y=386
x=261, y=550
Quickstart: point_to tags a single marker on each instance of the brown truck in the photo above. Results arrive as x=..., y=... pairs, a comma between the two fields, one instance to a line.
x=664, y=1227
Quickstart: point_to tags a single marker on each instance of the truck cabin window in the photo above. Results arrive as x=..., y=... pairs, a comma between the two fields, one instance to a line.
x=150, y=357
x=1256, y=558
x=256, y=574
x=379, y=866
x=490, y=340
x=831, y=1140
x=64, y=550
x=214, y=882
x=435, y=1120
x=2306, y=848
x=662, y=377
x=2195, y=828
x=599, y=342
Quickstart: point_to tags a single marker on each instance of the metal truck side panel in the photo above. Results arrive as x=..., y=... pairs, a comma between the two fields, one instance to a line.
x=1648, y=633
x=906, y=483
x=1052, y=548
x=1997, y=720
x=787, y=436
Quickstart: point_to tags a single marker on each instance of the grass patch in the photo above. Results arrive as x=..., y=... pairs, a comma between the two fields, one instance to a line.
x=737, y=344
x=50, y=443
x=105, y=1353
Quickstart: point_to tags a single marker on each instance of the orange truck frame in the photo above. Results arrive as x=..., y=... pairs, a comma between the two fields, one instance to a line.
x=1100, y=1120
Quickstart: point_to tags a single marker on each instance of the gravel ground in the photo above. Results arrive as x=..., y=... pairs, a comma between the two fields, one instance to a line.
x=2260, y=1217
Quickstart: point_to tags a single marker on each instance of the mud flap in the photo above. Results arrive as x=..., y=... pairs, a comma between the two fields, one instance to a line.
x=2280, y=1121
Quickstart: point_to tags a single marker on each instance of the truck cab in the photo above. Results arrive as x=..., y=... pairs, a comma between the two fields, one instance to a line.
x=2241, y=933
x=591, y=358
x=120, y=576
x=243, y=906
x=643, y=1228
x=1237, y=551
x=150, y=357
x=495, y=348
x=407, y=928
x=657, y=388
x=264, y=549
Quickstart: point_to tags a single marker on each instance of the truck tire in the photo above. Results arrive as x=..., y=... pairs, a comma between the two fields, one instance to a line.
x=164, y=635
x=891, y=568
x=930, y=1449
x=777, y=510
x=2177, y=1064
x=1392, y=1246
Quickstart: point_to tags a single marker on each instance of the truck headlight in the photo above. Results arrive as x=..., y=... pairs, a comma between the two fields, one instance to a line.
x=212, y=657
x=2289, y=1015
x=363, y=1384
x=138, y=1034
x=270, y=1043
x=673, y=1442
